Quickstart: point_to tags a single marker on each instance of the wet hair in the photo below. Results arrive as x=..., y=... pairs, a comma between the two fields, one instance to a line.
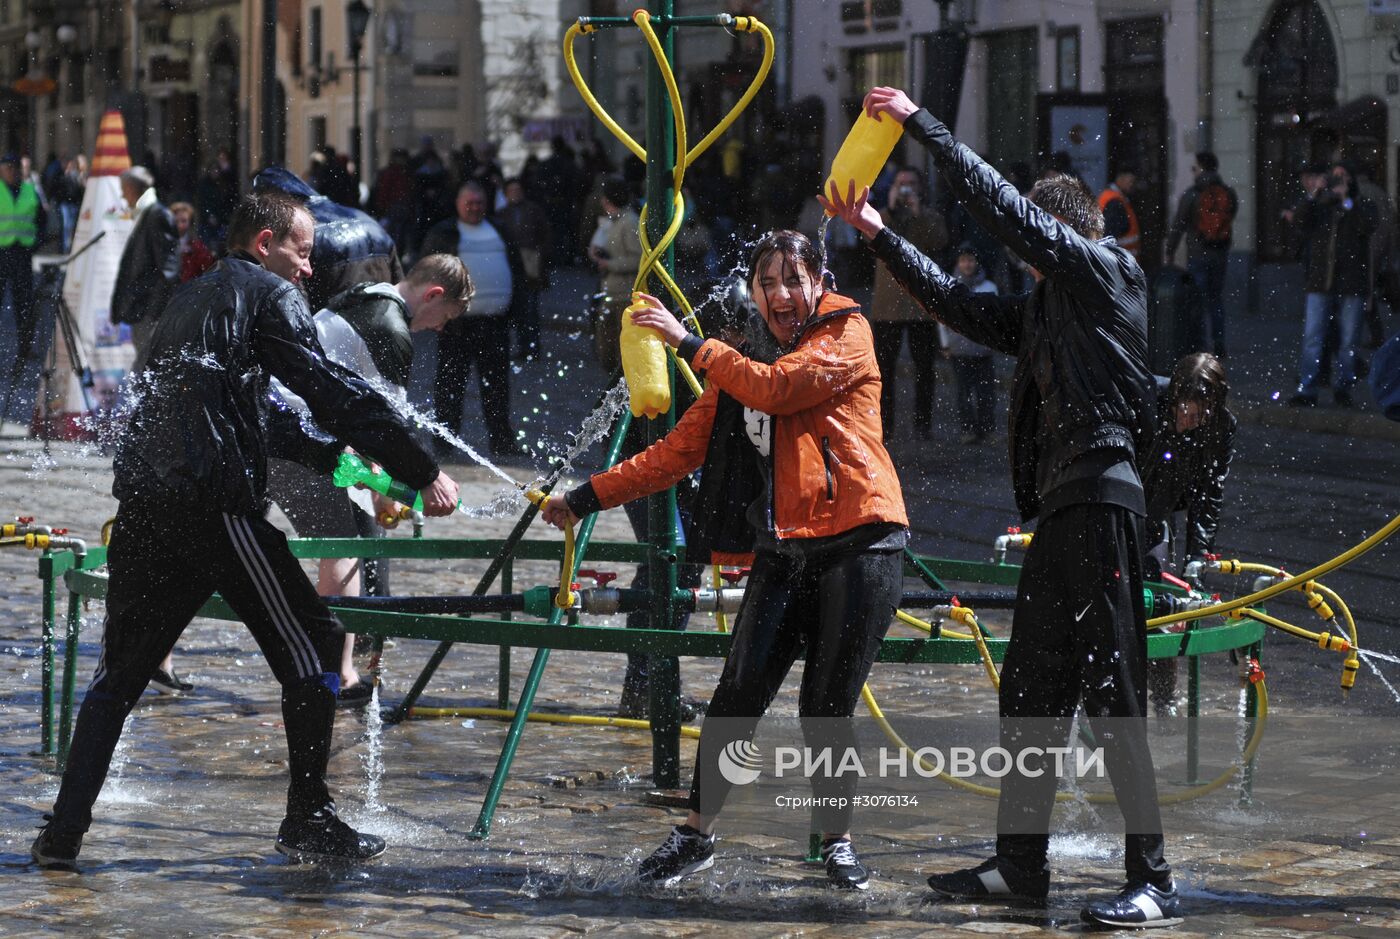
x=276, y=212
x=796, y=249
x=1200, y=377
x=1208, y=161
x=446, y=271
x=1068, y=199
x=794, y=246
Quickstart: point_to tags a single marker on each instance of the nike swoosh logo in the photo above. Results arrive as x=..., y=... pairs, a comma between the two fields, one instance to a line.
x=1083, y=611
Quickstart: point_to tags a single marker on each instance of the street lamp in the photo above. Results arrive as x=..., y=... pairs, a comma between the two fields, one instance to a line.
x=356, y=21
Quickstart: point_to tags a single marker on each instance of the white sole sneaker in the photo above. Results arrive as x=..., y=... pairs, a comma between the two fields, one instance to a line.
x=686, y=871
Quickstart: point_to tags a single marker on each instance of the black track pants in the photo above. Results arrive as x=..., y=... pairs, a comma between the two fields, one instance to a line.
x=164, y=565
x=840, y=607
x=1079, y=635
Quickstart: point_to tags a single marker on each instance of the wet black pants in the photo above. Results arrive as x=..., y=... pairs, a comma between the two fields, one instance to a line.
x=1079, y=636
x=164, y=564
x=839, y=607
x=485, y=342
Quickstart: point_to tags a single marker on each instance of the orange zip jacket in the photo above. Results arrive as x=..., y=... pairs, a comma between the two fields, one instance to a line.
x=829, y=468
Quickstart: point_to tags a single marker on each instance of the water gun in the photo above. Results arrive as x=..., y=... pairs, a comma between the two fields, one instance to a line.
x=352, y=470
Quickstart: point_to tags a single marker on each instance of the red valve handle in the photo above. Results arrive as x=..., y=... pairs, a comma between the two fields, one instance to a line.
x=601, y=578
x=732, y=575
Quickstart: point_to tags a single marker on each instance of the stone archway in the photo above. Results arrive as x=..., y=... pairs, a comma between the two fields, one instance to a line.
x=1295, y=61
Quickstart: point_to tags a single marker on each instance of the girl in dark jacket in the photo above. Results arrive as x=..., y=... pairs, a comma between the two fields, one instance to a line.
x=1185, y=472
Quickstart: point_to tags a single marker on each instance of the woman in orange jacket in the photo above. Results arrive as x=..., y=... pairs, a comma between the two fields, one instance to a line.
x=788, y=433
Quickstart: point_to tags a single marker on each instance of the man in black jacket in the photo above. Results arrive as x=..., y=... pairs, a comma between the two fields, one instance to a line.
x=190, y=475
x=1081, y=410
x=150, y=267
x=1337, y=223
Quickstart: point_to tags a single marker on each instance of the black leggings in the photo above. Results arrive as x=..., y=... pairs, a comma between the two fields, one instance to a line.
x=164, y=563
x=840, y=607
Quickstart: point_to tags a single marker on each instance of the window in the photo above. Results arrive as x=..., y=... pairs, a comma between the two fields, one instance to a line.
x=316, y=133
x=1133, y=56
x=1011, y=85
x=313, y=39
x=1067, y=58
x=870, y=67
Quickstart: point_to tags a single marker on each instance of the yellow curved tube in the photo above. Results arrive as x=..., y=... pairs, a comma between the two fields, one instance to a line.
x=585, y=720
x=565, y=598
x=1323, y=569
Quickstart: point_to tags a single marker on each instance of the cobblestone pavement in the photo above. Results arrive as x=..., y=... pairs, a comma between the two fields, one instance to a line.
x=183, y=840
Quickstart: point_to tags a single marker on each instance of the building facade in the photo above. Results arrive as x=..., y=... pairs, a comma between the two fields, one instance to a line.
x=1108, y=83
x=1296, y=81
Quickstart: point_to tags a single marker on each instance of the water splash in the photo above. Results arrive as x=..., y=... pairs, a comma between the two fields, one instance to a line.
x=373, y=757
x=1368, y=656
x=594, y=427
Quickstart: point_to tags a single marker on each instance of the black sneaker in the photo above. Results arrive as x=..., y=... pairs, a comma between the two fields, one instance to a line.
x=169, y=683
x=355, y=696
x=1137, y=906
x=843, y=868
x=1301, y=400
x=56, y=850
x=323, y=836
x=1342, y=399
x=992, y=879
x=684, y=853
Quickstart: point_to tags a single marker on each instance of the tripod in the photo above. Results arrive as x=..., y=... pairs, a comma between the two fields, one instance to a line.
x=50, y=296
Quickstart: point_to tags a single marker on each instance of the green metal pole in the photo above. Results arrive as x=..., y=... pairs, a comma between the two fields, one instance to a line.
x=482, y=829
x=663, y=671
x=482, y=585
x=1251, y=716
x=1193, y=719
x=70, y=676
x=503, y=671
x=49, y=600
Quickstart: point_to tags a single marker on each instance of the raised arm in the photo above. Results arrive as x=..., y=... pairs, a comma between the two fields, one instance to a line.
x=1050, y=246
x=987, y=318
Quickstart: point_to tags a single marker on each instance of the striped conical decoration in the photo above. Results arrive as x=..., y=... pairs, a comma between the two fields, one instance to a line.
x=110, y=157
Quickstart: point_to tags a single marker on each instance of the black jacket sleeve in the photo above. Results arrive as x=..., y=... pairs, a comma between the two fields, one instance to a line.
x=289, y=437
x=987, y=318
x=1208, y=495
x=1041, y=240
x=343, y=404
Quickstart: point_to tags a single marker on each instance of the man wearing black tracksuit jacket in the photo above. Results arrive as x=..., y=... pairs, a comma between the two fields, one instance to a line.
x=1082, y=408
x=190, y=475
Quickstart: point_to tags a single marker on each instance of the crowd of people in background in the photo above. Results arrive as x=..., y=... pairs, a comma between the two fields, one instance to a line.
x=574, y=206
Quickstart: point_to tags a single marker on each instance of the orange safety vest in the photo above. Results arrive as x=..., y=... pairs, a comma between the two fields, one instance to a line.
x=1132, y=239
